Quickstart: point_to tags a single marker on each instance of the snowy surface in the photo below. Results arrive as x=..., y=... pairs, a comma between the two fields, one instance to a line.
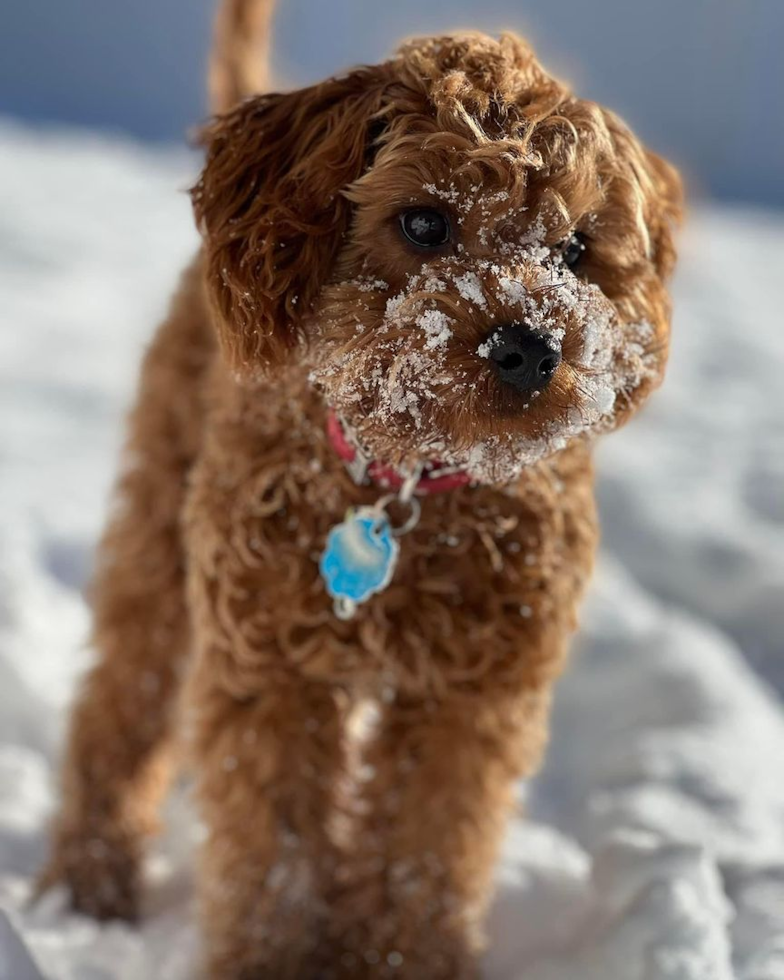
x=655, y=845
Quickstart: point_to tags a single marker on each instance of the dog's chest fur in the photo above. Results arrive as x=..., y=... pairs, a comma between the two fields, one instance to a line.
x=480, y=577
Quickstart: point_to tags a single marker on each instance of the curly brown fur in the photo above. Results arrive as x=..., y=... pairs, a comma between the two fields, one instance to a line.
x=339, y=850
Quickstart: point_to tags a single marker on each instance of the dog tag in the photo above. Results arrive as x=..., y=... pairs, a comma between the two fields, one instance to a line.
x=359, y=559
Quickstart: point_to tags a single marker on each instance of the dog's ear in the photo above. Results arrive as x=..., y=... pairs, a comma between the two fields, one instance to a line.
x=664, y=211
x=270, y=207
x=656, y=192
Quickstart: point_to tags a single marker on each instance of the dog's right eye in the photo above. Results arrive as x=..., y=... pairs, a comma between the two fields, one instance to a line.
x=425, y=227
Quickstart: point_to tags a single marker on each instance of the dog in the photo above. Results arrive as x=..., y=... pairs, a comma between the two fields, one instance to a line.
x=356, y=517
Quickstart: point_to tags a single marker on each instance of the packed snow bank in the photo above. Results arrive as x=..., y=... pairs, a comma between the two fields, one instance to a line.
x=654, y=848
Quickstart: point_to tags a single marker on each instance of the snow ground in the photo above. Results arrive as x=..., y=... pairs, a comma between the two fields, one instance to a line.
x=655, y=845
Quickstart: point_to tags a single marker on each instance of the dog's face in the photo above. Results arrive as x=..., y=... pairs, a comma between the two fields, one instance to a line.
x=470, y=261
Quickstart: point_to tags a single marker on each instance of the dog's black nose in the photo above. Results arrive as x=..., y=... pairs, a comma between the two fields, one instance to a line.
x=524, y=360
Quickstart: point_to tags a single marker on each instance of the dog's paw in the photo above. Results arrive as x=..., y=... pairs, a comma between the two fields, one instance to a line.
x=100, y=875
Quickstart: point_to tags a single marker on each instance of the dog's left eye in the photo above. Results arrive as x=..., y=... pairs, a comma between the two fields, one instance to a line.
x=573, y=250
x=425, y=227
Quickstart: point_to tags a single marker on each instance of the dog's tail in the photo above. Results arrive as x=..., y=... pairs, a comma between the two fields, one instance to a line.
x=239, y=61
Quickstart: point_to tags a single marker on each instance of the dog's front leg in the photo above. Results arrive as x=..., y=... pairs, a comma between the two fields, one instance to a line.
x=123, y=726
x=440, y=784
x=268, y=766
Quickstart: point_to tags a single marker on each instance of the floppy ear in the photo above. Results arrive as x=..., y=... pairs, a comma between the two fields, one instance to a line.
x=658, y=193
x=270, y=208
x=665, y=211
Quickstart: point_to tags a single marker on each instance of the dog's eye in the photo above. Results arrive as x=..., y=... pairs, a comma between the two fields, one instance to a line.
x=573, y=250
x=425, y=227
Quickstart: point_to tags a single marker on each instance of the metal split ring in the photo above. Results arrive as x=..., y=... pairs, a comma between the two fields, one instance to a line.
x=411, y=521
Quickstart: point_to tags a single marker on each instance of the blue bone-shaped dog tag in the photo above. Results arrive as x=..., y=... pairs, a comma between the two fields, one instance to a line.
x=360, y=557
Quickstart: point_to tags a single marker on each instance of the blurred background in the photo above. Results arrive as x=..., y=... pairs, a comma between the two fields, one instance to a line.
x=702, y=80
x=654, y=838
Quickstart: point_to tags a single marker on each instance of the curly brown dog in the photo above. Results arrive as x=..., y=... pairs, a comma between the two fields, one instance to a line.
x=424, y=287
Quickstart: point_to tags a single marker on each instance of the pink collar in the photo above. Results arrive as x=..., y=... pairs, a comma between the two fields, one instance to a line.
x=433, y=480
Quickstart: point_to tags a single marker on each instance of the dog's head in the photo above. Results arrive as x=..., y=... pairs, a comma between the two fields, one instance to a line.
x=470, y=260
